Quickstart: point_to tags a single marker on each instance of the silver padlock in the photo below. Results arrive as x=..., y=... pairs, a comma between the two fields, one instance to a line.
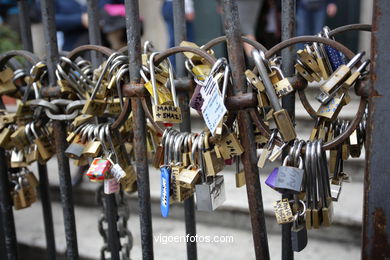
x=289, y=179
x=210, y=194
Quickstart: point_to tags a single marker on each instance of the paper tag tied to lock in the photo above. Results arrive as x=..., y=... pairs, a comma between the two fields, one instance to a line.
x=213, y=107
x=111, y=186
x=99, y=169
x=165, y=191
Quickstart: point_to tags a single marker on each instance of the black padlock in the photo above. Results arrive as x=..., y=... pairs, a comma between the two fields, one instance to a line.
x=298, y=235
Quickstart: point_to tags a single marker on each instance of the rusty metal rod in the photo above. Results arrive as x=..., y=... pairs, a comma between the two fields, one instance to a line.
x=7, y=216
x=180, y=32
x=376, y=229
x=48, y=20
x=94, y=30
x=25, y=25
x=139, y=126
x=237, y=64
x=44, y=191
x=111, y=210
x=288, y=101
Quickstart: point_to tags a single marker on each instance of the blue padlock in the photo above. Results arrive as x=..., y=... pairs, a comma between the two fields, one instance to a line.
x=165, y=190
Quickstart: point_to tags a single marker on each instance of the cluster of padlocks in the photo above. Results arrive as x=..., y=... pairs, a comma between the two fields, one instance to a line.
x=95, y=108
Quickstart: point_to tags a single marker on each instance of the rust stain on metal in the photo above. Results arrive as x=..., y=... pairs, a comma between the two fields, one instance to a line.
x=381, y=246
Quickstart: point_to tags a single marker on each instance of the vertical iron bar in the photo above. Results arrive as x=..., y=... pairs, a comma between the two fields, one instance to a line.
x=376, y=229
x=237, y=64
x=7, y=216
x=25, y=29
x=112, y=218
x=25, y=25
x=139, y=126
x=111, y=207
x=49, y=25
x=180, y=32
x=94, y=29
x=288, y=101
x=47, y=211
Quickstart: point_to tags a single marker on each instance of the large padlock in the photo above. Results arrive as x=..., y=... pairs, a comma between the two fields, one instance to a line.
x=286, y=179
x=210, y=194
x=169, y=113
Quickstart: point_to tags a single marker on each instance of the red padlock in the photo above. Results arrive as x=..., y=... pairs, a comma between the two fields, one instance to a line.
x=99, y=169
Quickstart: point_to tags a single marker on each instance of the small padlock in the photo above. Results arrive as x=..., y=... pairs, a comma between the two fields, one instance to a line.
x=99, y=169
x=298, y=234
x=213, y=164
x=283, y=86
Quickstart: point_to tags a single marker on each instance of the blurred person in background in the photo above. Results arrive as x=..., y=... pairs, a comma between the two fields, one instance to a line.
x=311, y=15
x=167, y=13
x=72, y=21
x=269, y=24
x=9, y=14
x=249, y=12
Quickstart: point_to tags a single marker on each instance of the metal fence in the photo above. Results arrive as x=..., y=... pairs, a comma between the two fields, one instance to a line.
x=375, y=243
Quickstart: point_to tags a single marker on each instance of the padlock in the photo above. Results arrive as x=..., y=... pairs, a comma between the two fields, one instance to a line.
x=213, y=164
x=283, y=86
x=283, y=211
x=286, y=179
x=331, y=86
x=336, y=58
x=5, y=138
x=45, y=147
x=99, y=169
x=210, y=194
x=281, y=116
x=76, y=149
x=93, y=146
x=298, y=234
x=164, y=112
x=229, y=146
x=322, y=60
x=165, y=175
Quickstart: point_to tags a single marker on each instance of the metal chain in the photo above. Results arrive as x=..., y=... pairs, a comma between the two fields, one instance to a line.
x=125, y=236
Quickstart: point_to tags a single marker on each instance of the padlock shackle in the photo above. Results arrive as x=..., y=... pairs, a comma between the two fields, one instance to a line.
x=201, y=158
x=153, y=77
x=194, y=149
x=177, y=147
x=172, y=83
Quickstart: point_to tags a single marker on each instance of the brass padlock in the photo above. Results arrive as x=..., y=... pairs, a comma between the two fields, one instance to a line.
x=45, y=146
x=212, y=162
x=169, y=112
